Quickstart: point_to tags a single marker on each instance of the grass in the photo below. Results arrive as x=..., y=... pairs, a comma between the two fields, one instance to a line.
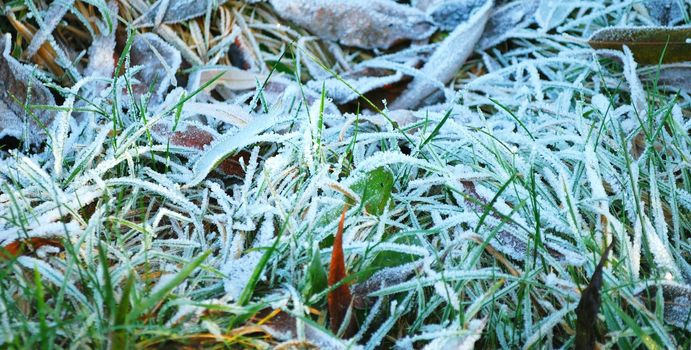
x=497, y=211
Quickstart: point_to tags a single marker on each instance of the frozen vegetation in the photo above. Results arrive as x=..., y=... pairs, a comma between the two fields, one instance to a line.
x=437, y=174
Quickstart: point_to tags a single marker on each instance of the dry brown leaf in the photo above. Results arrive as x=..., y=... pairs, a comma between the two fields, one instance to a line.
x=366, y=24
x=17, y=81
x=589, y=306
x=174, y=11
x=159, y=62
x=647, y=43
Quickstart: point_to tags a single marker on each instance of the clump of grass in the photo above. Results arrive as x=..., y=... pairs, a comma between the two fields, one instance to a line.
x=499, y=207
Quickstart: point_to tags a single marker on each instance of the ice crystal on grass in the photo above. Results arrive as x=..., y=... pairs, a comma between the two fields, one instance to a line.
x=498, y=201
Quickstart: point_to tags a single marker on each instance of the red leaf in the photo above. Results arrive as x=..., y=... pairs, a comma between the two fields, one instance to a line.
x=339, y=299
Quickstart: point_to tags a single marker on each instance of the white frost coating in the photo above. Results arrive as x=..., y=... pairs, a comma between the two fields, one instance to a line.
x=662, y=257
x=173, y=195
x=445, y=61
x=240, y=270
x=463, y=341
x=54, y=15
x=70, y=230
x=636, y=89
x=635, y=250
x=228, y=143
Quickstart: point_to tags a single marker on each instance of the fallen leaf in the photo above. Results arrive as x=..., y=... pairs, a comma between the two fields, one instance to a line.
x=448, y=14
x=589, y=305
x=677, y=309
x=339, y=298
x=193, y=137
x=665, y=12
x=361, y=82
x=18, y=81
x=159, y=62
x=381, y=279
x=646, y=43
x=283, y=326
x=366, y=24
x=676, y=77
x=446, y=60
x=173, y=11
x=17, y=248
x=507, y=19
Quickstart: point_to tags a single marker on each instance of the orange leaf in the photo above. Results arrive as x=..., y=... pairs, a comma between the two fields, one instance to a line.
x=17, y=248
x=339, y=298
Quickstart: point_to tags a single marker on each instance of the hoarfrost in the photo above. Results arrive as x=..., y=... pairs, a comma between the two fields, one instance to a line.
x=367, y=24
x=20, y=81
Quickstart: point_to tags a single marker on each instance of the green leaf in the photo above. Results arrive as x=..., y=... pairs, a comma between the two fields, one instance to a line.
x=315, y=280
x=120, y=333
x=649, y=45
x=375, y=190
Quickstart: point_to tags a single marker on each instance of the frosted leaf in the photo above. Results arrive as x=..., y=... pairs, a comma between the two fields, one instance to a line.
x=53, y=16
x=382, y=278
x=665, y=12
x=366, y=24
x=448, y=14
x=362, y=81
x=19, y=81
x=676, y=77
x=507, y=19
x=446, y=60
x=174, y=11
x=663, y=259
x=159, y=62
x=677, y=298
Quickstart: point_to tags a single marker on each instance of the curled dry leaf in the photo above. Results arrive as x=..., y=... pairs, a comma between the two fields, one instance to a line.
x=446, y=60
x=507, y=19
x=159, y=62
x=18, y=86
x=174, y=11
x=589, y=305
x=677, y=298
x=448, y=14
x=339, y=298
x=647, y=43
x=366, y=24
